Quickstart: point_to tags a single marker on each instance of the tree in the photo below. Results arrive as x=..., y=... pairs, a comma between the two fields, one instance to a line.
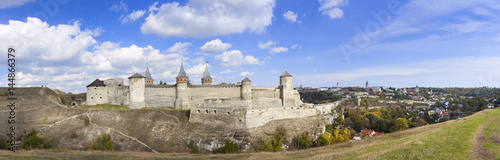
x=401, y=124
x=324, y=139
x=161, y=82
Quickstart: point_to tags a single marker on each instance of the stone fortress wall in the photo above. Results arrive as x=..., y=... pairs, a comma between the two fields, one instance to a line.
x=240, y=106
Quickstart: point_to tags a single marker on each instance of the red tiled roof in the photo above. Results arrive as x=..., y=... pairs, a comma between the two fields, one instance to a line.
x=367, y=131
x=378, y=134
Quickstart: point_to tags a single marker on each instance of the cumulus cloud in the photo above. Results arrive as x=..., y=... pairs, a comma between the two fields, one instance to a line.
x=179, y=47
x=119, y=7
x=133, y=16
x=68, y=58
x=245, y=74
x=199, y=18
x=11, y=3
x=214, y=46
x=331, y=8
x=291, y=17
x=235, y=58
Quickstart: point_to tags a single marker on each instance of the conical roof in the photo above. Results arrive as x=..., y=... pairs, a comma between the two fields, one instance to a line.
x=245, y=80
x=97, y=82
x=136, y=75
x=148, y=75
x=182, y=73
x=286, y=74
x=206, y=74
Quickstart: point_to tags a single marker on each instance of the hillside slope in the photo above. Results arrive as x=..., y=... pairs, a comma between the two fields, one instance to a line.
x=449, y=140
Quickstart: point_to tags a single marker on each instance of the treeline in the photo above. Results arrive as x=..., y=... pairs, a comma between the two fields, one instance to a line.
x=319, y=97
x=469, y=92
x=385, y=120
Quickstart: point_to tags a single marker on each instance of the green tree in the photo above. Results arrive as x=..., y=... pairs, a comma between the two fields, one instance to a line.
x=401, y=124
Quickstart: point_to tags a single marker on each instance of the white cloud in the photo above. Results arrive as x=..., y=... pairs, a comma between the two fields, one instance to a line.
x=133, y=16
x=226, y=71
x=13, y=3
x=275, y=71
x=200, y=18
x=196, y=71
x=63, y=56
x=245, y=74
x=309, y=58
x=153, y=7
x=179, y=47
x=278, y=50
x=295, y=46
x=331, y=8
x=235, y=58
x=214, y=46
x=291, y=17
x=119, y=7
x=266, y=45
x=272, y=50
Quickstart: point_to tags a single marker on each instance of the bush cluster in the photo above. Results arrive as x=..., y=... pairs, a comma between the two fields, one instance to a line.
x=229, y=147
x=103, y=143
x=33, y=141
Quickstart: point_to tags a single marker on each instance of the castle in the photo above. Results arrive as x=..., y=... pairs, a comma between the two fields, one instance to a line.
x=238, y=105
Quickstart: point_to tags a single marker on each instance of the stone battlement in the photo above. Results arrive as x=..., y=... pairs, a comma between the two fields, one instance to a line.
x=241, y=105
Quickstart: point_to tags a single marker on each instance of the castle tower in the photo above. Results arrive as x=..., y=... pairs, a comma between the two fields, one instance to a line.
x=149, y=80
x=366, y=85
x=181, y=97
x=286, y=89
x=246, y=89
x=416, y=89
x=206, y=79
x=137, y=89
x=337, y=85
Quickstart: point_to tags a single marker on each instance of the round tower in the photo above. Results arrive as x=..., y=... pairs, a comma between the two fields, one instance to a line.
x=181, y=97
x=286, y=88
x=246, y=89
x=137, y=88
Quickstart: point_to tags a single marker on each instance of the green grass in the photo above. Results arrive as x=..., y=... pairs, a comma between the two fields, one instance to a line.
x=492, y=132
x=453, y=140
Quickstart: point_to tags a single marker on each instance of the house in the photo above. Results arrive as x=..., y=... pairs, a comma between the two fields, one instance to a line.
x=357, y=138
x=370, y=133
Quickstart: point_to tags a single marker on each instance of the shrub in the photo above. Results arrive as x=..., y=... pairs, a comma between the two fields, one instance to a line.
x=33, y=141
x=262, y=144
x=63, y=100
x=103, y=143
x=2, y=143
x=194, y=148
x=229, y=147
x=162, y=151
x=86, y=119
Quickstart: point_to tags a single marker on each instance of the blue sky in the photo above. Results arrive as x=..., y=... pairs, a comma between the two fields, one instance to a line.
x=66, y=44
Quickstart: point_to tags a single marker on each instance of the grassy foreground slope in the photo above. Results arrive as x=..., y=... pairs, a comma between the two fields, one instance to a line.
x=474, y=137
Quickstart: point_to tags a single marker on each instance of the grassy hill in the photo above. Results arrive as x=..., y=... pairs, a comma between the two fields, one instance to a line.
x=474, y=137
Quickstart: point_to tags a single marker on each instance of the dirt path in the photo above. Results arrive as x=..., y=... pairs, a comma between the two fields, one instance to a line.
x=477, y=150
